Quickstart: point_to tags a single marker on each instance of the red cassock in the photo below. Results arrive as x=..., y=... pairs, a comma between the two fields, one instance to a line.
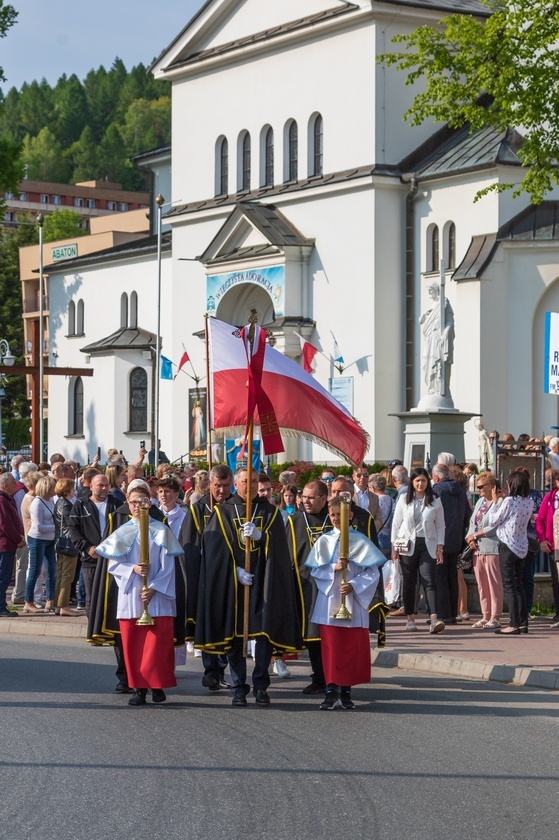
x=149, y=653
x=346, y=654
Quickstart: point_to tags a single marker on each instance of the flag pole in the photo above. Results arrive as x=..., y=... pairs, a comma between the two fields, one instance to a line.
x=248, y=517
x=208, y=392
x=248, y=501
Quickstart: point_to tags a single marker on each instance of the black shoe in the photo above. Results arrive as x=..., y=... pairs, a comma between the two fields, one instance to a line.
x=138, y=697
x=223, y=684
x=239, y=700
x=211, y=682
x=4, y=611
x=345, y=700
x=122, y=688
x=555, y=617
x=158, y=695
x=314, y=688
x=330, y=701
x=262, y=697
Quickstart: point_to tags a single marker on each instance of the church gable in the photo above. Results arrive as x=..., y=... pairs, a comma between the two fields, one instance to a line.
x=223, y=25
x=253, y=16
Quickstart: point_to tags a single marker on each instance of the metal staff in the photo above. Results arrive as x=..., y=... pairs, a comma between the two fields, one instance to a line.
x=145, y=619
x=345, y=506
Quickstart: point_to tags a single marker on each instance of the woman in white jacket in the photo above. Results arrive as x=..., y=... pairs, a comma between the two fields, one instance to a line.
x=417, y=542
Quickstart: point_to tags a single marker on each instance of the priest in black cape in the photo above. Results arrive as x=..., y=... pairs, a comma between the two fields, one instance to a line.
x=103, y=627
x=273, y=613
x=221, y=480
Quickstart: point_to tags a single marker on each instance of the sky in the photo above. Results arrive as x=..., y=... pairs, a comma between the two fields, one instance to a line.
x=52, y=37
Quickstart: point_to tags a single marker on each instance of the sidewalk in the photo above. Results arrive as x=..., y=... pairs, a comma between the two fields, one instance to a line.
x=461, y=651
x=458, y=651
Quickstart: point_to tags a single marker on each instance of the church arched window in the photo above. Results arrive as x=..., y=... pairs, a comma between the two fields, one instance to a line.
x=123, y=311
x=292, y=152
x=71, y=318
x=222, y=167
x=133, y=323
x=138, y=400
x=80, y=319
x=316, y=145
x=76, y=406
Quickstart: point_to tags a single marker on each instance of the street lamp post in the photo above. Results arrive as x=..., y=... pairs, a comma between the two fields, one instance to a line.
x=40, y=222
x=6, y=358
x=160, y=201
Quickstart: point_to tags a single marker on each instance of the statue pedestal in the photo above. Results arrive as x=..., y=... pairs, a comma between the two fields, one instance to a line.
x=429, y=432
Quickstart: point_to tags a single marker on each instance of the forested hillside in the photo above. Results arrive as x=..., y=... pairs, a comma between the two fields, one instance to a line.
x=85, y=130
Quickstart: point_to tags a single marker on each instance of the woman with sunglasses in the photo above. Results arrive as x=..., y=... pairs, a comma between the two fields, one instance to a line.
x=485, y=563
x=417, y=542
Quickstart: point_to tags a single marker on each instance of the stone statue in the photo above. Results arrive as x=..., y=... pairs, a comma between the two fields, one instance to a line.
x=438, y=344
x=484, y=444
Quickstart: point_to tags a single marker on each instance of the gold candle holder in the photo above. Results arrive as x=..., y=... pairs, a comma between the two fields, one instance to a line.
x=145, y=619
x=345, y=506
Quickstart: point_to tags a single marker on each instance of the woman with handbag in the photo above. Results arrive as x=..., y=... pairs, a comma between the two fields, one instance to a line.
x=66, y=553
x=485, y=561
x=417, y=542
x=40, y=539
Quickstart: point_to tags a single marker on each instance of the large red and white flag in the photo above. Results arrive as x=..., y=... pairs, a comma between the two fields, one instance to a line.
x=301, y=406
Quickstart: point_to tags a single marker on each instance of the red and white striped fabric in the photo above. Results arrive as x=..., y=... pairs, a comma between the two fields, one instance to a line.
x=303, y=408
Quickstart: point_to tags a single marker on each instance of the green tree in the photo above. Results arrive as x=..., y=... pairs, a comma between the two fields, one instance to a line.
x=11, y=169
x=501, y=71
x=83, y=156
x=43, y=157
x=36, y=107
x=8, y=17
x=62, y=224
x=112, y=155
x=16, y=403
x=70, y=109
x=147, y=125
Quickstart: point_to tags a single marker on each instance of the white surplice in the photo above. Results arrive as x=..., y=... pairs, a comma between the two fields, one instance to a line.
x=362, y=572
x=122, y=549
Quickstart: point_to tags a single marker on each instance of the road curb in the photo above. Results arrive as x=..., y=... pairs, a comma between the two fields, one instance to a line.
x=50, y=627
x=468, y=668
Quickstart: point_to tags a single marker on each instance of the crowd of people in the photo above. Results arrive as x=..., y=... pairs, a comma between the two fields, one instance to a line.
x=231, y=559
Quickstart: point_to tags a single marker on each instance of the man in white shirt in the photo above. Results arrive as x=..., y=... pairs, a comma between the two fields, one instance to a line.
x=363, y=496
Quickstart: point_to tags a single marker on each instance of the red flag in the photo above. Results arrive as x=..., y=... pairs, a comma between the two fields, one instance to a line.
x=302, y=407
x=308, y=353
x=257, y=396
x=184, y=359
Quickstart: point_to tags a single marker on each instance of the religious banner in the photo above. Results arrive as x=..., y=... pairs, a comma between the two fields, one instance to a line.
x=198, y=437
x=271, y=279
x=551, y=354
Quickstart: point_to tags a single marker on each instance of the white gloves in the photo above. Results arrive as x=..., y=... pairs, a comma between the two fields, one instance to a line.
x=244, y=577
x=251, y=531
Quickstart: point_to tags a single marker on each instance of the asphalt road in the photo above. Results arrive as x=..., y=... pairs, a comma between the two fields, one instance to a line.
x=421, y=758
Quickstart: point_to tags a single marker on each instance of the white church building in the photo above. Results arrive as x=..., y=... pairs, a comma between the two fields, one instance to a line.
x=296, y=189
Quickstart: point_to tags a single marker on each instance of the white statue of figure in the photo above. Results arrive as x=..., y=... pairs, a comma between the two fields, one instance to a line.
x=438, y=344
x=484, y=443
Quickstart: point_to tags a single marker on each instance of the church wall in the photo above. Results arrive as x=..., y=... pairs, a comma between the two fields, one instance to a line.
x=523, y=287
x=334, y=77
x=106, y=393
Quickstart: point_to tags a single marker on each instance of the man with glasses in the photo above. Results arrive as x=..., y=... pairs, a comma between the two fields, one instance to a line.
x=327, y=476
x=363, y=496
x=304, y=527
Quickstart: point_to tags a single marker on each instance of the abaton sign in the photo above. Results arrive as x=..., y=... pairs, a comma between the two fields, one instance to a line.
x=65, y=252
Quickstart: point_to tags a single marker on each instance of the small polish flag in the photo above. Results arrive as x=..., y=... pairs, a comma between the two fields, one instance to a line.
x=308, y=353
x=184, y=359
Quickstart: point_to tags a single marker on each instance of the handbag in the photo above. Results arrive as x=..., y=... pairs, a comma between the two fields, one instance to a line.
x=465, y=559
x=402, y=545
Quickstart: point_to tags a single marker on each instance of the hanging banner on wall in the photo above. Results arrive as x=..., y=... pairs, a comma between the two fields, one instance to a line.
x=271, y=279
x=551, y=354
